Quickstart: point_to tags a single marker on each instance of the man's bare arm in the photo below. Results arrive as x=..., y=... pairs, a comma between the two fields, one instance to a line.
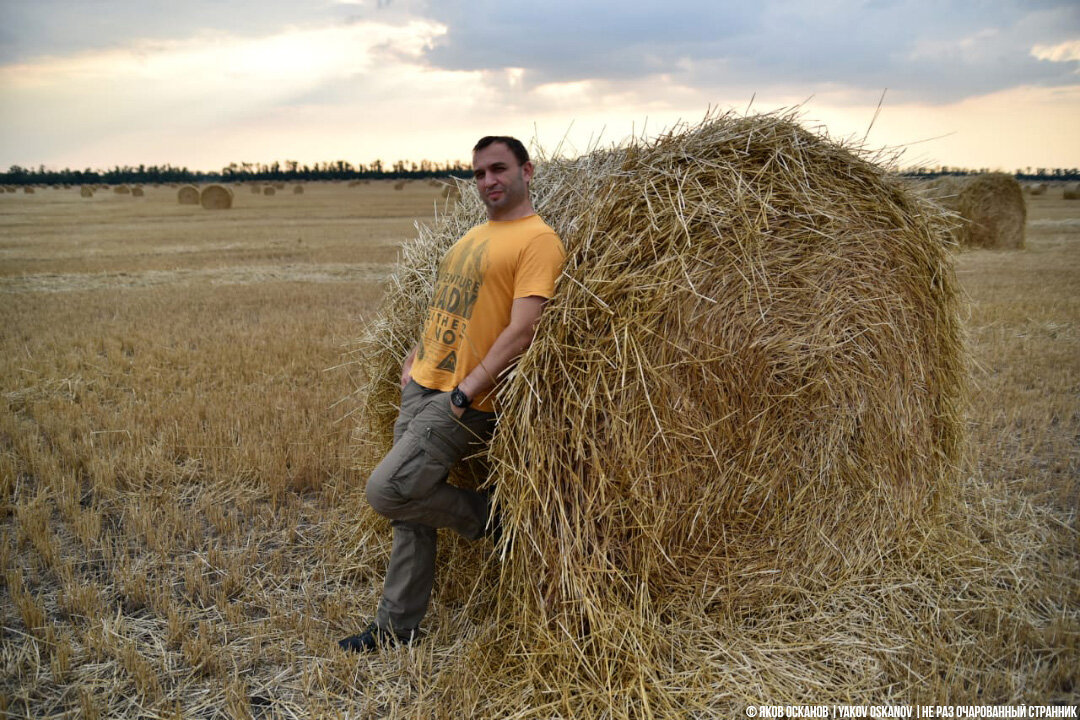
x=508, y=347
x=406, y=366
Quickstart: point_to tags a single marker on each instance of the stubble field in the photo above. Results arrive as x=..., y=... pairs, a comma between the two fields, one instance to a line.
x=180, y=528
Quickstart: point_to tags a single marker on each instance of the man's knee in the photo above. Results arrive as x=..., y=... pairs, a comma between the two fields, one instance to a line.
x=381, y=495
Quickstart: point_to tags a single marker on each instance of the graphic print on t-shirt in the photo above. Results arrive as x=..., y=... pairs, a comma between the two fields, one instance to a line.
x=457, y=286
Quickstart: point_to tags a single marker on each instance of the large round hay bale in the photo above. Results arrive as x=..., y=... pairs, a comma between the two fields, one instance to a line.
x=86, y=191
x=256, y=189
x=298, y=190
x=399, y=185
x=216, y=197
x=269, y=190
x=188, y=195
x=744, y=393
x=122, y=190
x=137, y=191
x=1071, y=193
x=28, y=190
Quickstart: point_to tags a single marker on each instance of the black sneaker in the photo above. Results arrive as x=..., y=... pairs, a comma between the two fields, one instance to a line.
x=375, y=638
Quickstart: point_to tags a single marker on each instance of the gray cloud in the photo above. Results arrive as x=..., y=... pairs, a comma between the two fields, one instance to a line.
x=938, y=51
x=935, y=52
x=33, y=28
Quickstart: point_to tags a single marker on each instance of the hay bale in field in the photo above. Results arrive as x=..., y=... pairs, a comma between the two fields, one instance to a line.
x=298, y=190
x=86, y=191
x=28, y=190
x=994, y=212
x=216, y=197
x=1038, y=189
x=256, y=189
x=400, y=185
x=269, y=190
x=354, y=183
x=122, y=190
x=188, y=195
x=451, y=192
x=745, y=391
x=137, y=192
x=990, y=209
x=1071, y=193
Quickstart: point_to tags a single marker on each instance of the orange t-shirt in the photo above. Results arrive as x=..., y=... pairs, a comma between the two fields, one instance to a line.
x=478, y=280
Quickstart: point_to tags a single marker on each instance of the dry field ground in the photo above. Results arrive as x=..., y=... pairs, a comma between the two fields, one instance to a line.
x=178, y=498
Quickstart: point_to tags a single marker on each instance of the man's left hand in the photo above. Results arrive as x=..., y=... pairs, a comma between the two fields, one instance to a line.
x=458, y=412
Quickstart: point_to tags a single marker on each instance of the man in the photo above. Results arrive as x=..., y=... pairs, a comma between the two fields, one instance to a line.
x=489, y=292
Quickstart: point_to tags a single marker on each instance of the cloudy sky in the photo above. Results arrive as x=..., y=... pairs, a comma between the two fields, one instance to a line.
x=202, y=83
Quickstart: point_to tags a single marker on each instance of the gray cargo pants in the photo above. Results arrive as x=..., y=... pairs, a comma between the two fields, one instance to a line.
x=409, y=487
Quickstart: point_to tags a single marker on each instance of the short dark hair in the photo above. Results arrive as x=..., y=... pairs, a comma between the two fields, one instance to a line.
x=514, y=144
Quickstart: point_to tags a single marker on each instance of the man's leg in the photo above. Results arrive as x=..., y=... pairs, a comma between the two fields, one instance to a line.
x=410, y=575
x=409, y=487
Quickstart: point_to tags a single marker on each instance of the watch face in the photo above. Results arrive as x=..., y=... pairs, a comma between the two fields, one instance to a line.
x=458, y=398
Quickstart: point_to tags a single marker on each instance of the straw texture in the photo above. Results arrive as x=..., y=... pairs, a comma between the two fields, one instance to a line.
x=745, y=392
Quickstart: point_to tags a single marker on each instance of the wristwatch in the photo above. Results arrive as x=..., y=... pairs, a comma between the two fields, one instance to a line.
x=459, y=399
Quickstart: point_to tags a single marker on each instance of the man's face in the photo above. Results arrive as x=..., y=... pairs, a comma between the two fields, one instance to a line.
x=503, y=183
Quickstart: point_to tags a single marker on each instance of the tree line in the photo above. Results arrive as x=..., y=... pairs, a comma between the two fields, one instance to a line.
x=1027, y=174
x=289, y=170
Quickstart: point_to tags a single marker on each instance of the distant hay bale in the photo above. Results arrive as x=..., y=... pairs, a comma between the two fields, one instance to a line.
x=279, y=186
x=744, y=393
x=188, y=195
x=122, y=190
x=399, y=185
x=450, y=193
x=28, y=190
x=989, y=209
x=1071, y=193
x=256, y=189
x=354, y=183
x=86, y=191
x=137, y=192
x=269, y=190
x=298, y=190
x=216, y=197
x=1037, y=189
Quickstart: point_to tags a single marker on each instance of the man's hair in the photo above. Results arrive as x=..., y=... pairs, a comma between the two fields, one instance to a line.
x=514, y=144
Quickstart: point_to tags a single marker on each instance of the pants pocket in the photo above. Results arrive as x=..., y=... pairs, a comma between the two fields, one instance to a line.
x=426, y=467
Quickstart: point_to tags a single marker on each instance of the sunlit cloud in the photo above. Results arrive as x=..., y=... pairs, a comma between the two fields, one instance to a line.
x=212, y=83
x=1062, y=52
x=259, y=80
